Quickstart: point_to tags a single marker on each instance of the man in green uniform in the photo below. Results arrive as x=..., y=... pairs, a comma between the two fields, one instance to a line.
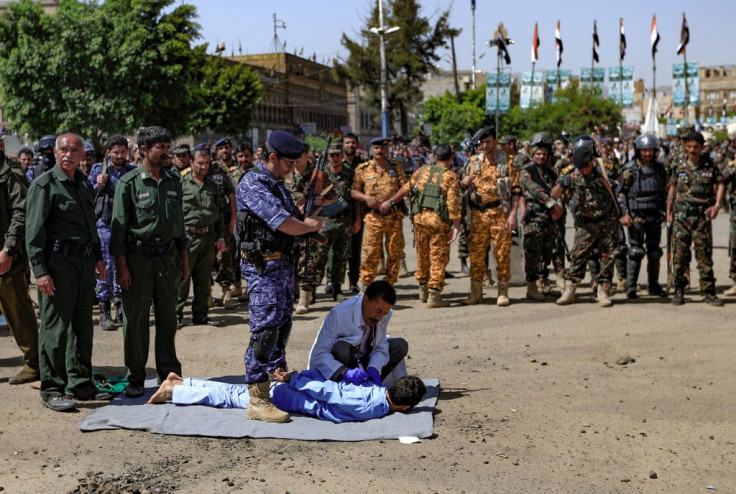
x=14, y=300
x=205, y=227
x=65, y=255
x=150, y=246
x=220, y=173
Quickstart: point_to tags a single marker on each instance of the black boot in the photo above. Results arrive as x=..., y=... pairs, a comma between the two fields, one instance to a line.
x=653, y=276
x=632, y=274
x=679, y=297
x=464, y=265
x=712, y=299
x=118, y=312
x=337, y=295
x=106, y=322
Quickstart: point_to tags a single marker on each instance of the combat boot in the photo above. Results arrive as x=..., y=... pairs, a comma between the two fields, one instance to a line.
x=503, y=294
x=464, y=268
x=712, y=299
x=227, y=297
x=260, y=406
x=476, y=293
x=731, y=291
x=423, y=292
x=304, y=298
x=560, y=279
x=106, y=322
x=244, y=297
x=337, y=295
x=568, y=296
x=435, y=300
x=620, y=284
x=679, y=297
x=403, y=270
x=236, y=289
x=532, y=292
x=118, y=312
x=604, y=299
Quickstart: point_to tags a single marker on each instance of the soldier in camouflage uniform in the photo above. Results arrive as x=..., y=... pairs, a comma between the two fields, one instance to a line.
x=244, y=164
x=537, y=179
x=375, y=182
x=695, y=196
x=219, y=172
x=494, y=198
x=596, y=220
x=435, y=198
x=462, y=245
x=729, y=176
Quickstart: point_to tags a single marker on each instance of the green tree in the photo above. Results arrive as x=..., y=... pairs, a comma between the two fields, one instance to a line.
x=451, y=120
x=410, y=55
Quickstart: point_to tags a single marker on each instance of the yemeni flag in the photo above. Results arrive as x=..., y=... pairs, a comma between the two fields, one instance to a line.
x=503, y=46
x=654, y=37
x=622, y=40
x=596, y=42
x=535, y=44
x=558, y=45
x=684, y=36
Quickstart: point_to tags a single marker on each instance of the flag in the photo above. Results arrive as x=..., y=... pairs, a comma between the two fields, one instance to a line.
x=558, y=45
x=596, y=42
x=535, y=44
x=684, y=36
x=503, y=46
x=655, y=35
x=472, y=4
x=622, y=41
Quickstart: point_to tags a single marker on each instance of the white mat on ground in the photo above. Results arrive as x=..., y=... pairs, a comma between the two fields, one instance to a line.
x=127, y=413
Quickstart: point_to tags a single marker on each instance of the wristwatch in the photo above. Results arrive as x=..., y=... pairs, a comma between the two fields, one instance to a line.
x=9, y=251
x=391, y=202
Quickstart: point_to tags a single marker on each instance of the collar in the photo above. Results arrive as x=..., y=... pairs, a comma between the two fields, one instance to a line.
x=62, y=176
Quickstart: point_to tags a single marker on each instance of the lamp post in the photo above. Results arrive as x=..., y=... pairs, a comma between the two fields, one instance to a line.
x=381, y=31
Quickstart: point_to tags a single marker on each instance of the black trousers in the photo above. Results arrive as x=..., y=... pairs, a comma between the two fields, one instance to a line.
x=398, y=348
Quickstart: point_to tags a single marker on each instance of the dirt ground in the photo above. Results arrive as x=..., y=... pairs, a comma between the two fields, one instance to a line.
x=532, y=401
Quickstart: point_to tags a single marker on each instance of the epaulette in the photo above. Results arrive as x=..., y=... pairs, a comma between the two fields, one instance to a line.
x=232, y=169
x=186, y=171
x=732, y=163
x=568, y=169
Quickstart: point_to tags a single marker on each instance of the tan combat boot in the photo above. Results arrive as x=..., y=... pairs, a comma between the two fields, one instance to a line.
x=423, y=293
x=476, y=293
x=532, y=291
x=403, y=270
x=260, y=406
x=560, y=279
x=503, y=294
x=304, y=298
x=227, y=298
x=435, y=300
x=236, y=289
x=620, y=284
x=731, y=291
x=568, y=296
x=603, y=294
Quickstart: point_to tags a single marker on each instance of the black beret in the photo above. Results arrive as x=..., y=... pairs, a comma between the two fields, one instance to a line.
x=489, y=131
x=225, y=141
x=285, y=144
x=380, y=141
x=443, y=152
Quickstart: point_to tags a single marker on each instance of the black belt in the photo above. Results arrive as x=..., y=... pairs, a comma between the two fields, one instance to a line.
x=484, y=206
x=199, y=230
x=72, y=249
x=691, y=210
x=151, y=250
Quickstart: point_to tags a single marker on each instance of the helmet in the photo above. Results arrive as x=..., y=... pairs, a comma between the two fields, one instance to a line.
x=583, y=150
x=542, y=139
x=47, y=141
x=646, y=141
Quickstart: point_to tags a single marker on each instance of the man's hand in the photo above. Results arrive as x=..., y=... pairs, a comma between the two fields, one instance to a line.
x=315, y=221
x=220, y=245
x=282, y=376
x=385, y=207
x=373, y=203
x=712, y=212
x=45, y=285
x=374, y=376
x=467, y=181
x=102, y=179
x=356, y=225
x=231, y=226
x=124, y=279
x=184, y=268
x=556, y=212
x=512, y=222
x=355, y=376
x=452, y=235
x=6, y=262
x=100, y=271
x=627, y=220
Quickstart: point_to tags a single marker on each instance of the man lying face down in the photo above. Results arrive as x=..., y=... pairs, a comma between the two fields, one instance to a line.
x=305, y=392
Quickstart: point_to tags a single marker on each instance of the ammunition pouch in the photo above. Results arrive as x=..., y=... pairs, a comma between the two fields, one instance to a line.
x=103, y=207
x=431, y=197
x=504, y=193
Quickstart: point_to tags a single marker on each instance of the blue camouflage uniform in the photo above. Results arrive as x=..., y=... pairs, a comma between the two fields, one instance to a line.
x=107, y=289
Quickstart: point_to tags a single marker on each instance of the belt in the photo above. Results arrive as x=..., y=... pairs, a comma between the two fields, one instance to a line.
x=691, y=210
x=72, y=249
x=483, y=207
x=199, y=230
x=154, y=250
x=274, y=256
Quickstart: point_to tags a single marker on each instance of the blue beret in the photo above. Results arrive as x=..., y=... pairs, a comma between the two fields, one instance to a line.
x=201, y=145
x=88, y=147
x=225, y=141
x=285, y=144
x=380, y=141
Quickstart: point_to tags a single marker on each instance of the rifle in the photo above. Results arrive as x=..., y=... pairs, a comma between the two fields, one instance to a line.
x=314, y=190
x=604, y=175
x=103, y=172
x=669, y=257
x=561, y=239
x=103, y=208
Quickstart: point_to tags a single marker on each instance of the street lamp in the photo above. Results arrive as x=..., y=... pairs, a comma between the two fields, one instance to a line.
x=382, y=31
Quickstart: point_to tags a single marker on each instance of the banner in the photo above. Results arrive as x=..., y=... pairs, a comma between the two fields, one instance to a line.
x=551, y=77
x=504, y=93
x=678, y=83
x=621, y=86
x=599, y=76
x=527, y=98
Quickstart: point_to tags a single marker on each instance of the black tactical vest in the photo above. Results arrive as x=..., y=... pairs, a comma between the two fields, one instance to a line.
x=648, y=191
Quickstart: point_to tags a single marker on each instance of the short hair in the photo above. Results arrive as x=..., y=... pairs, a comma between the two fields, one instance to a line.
x=244, y=146
x=408, y=390
x=382, y=289
x=68, y=135
x=201, y=151
x=348, y=135
x=116, y=140
x=149, y=136
x=693, y=136
x=25, y=150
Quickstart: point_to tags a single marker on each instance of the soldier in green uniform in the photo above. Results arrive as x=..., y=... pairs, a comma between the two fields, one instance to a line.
x=65, y=255
x=205, y=228
x=220, y=173
x=150, y=246
x=15, y=303
x=695, y=196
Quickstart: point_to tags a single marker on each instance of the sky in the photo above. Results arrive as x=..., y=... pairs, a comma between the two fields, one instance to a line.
x=316, y=26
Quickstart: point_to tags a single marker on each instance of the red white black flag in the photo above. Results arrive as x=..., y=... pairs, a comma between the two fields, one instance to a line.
x=654, y=37
x=558, y=44
x=684, y=36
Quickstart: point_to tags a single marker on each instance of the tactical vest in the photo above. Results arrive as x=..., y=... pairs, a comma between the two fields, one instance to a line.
x=431, y=197
x=545, y=179
x=648, y=191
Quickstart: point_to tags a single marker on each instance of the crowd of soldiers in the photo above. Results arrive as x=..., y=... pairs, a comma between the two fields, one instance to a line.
x=148, y=223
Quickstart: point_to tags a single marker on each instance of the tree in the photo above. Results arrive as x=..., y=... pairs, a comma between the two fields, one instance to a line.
x=410, y=55
x=109, y=68
x=451, y=120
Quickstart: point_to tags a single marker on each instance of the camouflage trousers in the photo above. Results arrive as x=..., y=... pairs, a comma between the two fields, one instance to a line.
x=433, y=251
x=225, y=271
x=698, y=231
x=462, y=241
x=338, y=241
x=539, y=242
x=376, y=228
x=732, y=245
x=558, y=251
x=602, y=236
x=486, y=226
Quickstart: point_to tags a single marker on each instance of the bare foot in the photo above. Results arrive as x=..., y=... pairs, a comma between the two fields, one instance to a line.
x=174, y=378
x=164, y=392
